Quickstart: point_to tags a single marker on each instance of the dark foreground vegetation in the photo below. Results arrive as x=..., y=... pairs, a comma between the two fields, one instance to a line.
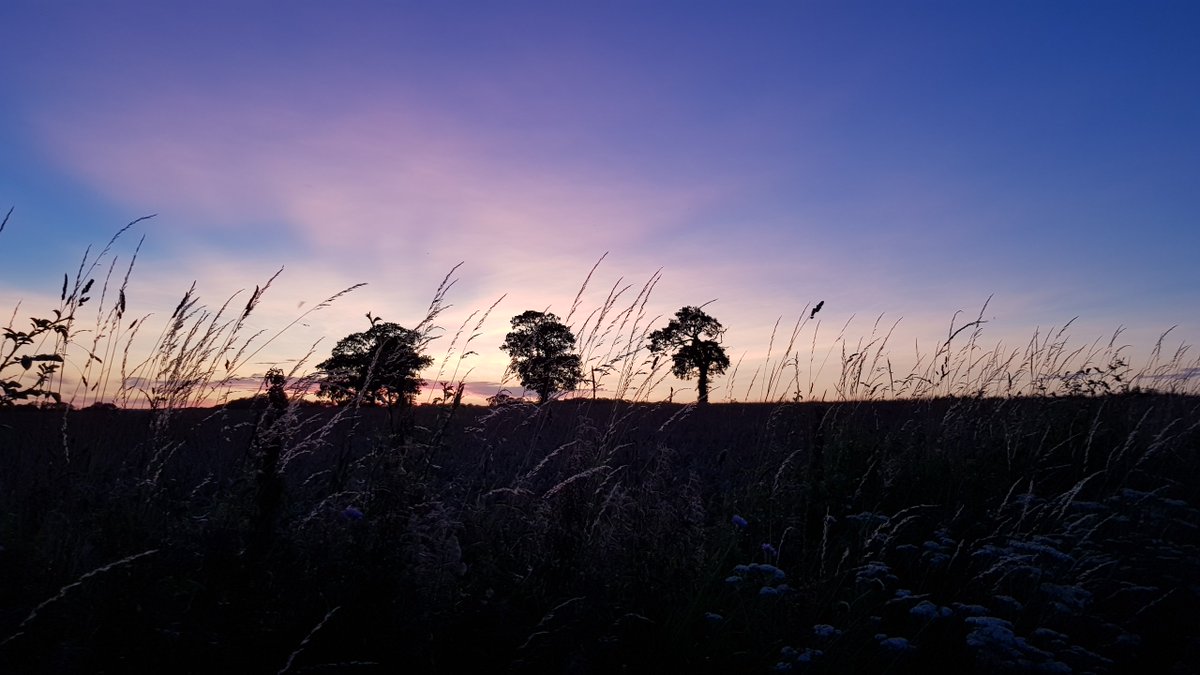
x=963, y=534
x=992, y=511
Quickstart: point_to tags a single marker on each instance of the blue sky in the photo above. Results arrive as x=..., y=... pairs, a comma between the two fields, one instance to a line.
x=908, y=159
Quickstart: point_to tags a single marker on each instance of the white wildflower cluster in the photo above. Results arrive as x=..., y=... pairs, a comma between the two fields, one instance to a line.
x=792, y=659
x=1042, y=548
x=868, y=518
x=1006, y=604
x=903, y=599
x=936, y=554
x=1055, y=566
x=962, y=609
x=1067, y=599
x=928, y=611
x=997, y=646
x=825, y=631
x=895, y=646
x=1020, y=563
x=769, y=578
x=875, y=572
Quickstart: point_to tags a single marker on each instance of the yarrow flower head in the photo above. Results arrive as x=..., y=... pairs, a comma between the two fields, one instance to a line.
x=824, y=630
x=740, y=522
x=770, y=572
x=895, y=645
x=770, y=551
x=351, y=513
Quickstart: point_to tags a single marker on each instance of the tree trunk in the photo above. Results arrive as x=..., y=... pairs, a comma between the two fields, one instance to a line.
x=702, y=385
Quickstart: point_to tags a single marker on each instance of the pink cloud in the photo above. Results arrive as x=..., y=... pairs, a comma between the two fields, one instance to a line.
x=392, y=192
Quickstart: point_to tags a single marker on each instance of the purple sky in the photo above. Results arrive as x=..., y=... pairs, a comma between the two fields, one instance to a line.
x=906, y=159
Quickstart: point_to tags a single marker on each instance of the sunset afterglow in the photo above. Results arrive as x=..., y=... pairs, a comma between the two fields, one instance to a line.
x=896, y=160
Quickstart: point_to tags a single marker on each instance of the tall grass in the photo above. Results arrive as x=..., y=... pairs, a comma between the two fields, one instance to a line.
x=992, y=510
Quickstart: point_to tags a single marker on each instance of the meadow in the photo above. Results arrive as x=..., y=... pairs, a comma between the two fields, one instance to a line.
x=988, y=512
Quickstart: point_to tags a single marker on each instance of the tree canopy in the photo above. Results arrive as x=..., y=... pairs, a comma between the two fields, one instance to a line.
x=380, y=365
x=541, y=348
x=693, y=340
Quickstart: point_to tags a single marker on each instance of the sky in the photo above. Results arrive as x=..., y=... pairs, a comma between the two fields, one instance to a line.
x=903, y=160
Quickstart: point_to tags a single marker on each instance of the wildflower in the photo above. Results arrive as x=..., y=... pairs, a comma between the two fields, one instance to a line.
x=733, y=579
x=769, y=571
x=740, y=522
x=790, y=656
x=875, y=571
x=1052, y=638
x=925, y=610
x=351, y=513
x=1055, y=667
x=1042, y=549
x=825, y=631
x=1008, y=603
x=995, y=635
x=809, y=655
x=896, y=645
x=713, y=617
x=989, y=552
x=868, y=518
x=770, y=551
x=937, y=560
x=1067, y=599
x=944, y=538
x=768, y=592
x=1129, y=640
x=971, y=610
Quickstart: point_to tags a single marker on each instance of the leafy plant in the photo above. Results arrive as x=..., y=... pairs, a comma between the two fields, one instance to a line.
x=26, y=348
x=1098, y=380
x=13, y=354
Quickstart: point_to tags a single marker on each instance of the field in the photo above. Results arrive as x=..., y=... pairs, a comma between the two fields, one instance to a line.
x=967, y=534
x=1028, y=510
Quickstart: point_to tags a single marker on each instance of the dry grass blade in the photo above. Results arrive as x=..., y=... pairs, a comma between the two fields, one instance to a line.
x=62, y=592
x=307, y=639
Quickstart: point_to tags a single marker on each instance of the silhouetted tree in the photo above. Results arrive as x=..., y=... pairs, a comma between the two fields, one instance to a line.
x=692, y=339
x=275, y=380
x=380, y=364
x=540, y=347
